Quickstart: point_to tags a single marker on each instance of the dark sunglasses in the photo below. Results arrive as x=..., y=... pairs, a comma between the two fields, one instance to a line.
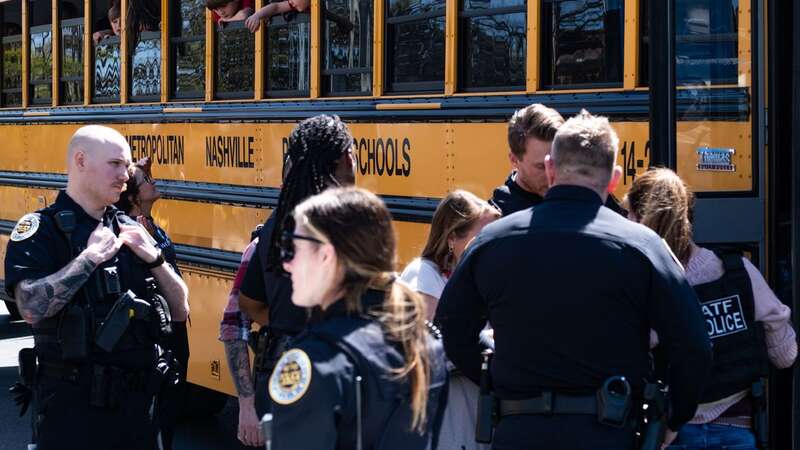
x=288, y=237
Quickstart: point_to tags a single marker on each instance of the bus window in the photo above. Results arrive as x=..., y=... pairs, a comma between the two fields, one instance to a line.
x=188, y=46
x=706, y=42
x=106, y=16
x=41, y=51
x=71, y=17
x=11, y=63
x=415, y=45
x=144, y=21
x=348, y=47
x=288, y=55
x=582, y=43
x=493, y=45
x=235, y=49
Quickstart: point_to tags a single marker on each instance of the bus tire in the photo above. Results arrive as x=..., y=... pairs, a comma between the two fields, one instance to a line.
x=13, y=311
x=203, y=402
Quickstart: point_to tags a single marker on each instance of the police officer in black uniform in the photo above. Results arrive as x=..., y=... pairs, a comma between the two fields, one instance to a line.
x=99, y=297
x=572, y=291
x=368, y=373
x=319, y=155
x=530, y=137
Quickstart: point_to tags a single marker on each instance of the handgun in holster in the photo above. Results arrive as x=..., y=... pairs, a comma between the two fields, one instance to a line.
x=760, y=416
x=655, y=415
x=484, y=425
x=116, y=322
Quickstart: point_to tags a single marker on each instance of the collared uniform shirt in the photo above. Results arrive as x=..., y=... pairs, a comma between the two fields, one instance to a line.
x=572, y=289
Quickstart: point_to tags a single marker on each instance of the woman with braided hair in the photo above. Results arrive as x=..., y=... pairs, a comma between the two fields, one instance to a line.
x=319, y=156
x=368, y=372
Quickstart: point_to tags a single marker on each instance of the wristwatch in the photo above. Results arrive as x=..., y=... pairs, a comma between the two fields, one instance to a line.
x=159, y=261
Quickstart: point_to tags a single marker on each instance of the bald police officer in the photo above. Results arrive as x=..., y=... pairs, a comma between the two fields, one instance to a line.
x=98, y=296
x=572, y=290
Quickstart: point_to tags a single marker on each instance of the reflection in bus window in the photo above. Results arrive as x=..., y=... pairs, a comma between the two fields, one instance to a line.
x=41, y=64
x=11, y=52
x=582, y=43
x=493, y=44
x=234, y=67
x=106, y=70
x=415, y=44
x=706, y=42
x=188, y=30
x=72, y=60
x=146, y=67
x=288, y=55
x=348, y=47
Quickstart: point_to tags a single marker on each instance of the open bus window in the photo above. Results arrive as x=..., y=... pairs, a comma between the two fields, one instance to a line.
x=106, y=51
x=144, y=23
x=235, y=49
x=188, y=47
x=706, y=42
x=582, y=43
x=288, y=55
x=71, y=81
x=11, y=52
x=493, y=45
x=348, y=47
x=415, y=44
x=41, y=51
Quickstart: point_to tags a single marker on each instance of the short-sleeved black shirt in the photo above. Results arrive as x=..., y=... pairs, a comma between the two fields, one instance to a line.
x=272, y=288
x=572, y=290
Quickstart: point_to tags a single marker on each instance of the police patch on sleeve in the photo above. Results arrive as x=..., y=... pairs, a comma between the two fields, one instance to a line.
x=25, y=227
x=291, y=377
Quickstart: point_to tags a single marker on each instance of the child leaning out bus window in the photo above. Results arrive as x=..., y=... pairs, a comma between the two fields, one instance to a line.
x=254, y=22
x=229, y=10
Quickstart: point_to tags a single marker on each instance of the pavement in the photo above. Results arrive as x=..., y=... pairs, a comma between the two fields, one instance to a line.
x=210, y=433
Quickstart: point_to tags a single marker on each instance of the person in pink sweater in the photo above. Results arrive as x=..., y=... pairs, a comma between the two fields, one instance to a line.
x=661, y=200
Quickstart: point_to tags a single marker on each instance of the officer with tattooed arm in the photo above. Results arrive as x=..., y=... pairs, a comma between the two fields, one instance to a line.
x=98, y=296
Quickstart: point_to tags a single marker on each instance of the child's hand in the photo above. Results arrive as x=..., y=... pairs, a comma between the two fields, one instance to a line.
x=253, y=23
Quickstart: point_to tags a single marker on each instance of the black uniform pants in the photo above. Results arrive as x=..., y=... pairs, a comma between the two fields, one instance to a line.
x=65, y=420
x=556, y=432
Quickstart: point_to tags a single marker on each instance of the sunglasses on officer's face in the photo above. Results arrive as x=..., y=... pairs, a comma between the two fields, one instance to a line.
x=287, y=239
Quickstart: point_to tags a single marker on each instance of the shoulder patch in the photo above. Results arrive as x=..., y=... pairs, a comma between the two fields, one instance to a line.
x=291, y=377
x=25, y=227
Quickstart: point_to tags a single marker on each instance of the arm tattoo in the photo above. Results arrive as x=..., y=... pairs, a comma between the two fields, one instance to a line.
x=45, y=297
x=239, y=364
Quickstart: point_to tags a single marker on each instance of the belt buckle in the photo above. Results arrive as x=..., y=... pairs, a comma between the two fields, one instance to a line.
x=547, y=402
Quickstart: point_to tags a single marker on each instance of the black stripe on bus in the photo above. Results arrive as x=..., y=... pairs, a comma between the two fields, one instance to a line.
x=721, y=104
x=407, y=209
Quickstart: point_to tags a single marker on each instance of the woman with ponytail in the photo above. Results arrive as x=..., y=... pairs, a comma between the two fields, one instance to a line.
x=747, y=324
x=368, y=372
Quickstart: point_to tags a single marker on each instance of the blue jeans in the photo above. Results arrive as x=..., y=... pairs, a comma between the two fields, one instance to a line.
x=713, y=437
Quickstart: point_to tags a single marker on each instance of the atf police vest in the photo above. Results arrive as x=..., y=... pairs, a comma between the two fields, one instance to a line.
x=740, y=355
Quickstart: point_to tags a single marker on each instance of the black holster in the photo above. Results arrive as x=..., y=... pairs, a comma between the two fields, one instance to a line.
x=760, y=416
x=485, y=419
x=655, y=424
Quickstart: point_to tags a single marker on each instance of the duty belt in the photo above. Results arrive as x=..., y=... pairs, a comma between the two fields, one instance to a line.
x=549, y=403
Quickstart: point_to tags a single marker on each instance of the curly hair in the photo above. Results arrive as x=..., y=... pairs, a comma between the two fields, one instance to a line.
x=315, y=147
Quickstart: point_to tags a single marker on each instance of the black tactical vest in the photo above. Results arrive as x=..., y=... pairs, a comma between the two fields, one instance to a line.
x=386, y=401
x=740, y=355
x=137, y=347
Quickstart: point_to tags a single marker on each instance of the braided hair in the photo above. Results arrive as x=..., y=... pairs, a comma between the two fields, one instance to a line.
x=315, y=147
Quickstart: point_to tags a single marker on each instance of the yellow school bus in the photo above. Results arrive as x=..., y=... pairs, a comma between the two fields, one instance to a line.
x=427, y=87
